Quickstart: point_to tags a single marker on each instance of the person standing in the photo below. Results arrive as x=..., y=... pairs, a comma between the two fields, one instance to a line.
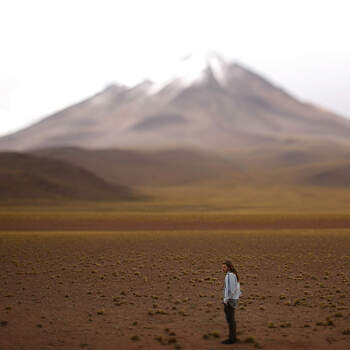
x=232, y=292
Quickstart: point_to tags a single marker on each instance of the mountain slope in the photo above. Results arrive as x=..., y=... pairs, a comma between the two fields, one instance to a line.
x=27, y=176
x=306, y=164
x=148, y=168
x=224, y=106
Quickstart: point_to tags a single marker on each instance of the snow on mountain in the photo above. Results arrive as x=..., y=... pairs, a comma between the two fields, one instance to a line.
x=193, y=69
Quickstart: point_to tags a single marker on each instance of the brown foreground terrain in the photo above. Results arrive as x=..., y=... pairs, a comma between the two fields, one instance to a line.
x=160, y=289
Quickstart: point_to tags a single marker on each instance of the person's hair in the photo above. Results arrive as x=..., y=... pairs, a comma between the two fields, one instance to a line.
x=231, y=268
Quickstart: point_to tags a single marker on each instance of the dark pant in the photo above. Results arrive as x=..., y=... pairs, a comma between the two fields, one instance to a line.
x=230, y=318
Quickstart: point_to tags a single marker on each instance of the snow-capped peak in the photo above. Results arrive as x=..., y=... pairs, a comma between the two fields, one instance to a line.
x=218, y=66
x=193, y=69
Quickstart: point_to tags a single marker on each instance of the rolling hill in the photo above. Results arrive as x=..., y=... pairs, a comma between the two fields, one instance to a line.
x=148, y=168
x=25, y=176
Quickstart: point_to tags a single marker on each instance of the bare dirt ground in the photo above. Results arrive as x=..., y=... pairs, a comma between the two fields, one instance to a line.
x=163, y=289
x=136, y=222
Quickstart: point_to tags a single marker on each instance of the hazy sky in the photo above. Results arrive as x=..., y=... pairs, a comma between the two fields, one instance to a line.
x=57, y=52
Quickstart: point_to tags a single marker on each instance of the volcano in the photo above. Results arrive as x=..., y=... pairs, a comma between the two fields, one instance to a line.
x=210, y=104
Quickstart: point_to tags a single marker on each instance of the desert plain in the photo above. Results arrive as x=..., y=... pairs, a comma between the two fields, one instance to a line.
x=147, y=275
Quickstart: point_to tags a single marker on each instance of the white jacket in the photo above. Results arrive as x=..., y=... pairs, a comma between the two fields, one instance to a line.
x=232, y=289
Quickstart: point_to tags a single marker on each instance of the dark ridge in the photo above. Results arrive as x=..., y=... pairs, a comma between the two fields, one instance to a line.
x=336, y=177
x=30, y=176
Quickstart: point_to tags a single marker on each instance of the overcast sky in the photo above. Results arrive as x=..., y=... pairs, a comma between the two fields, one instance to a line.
x=57, y=52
